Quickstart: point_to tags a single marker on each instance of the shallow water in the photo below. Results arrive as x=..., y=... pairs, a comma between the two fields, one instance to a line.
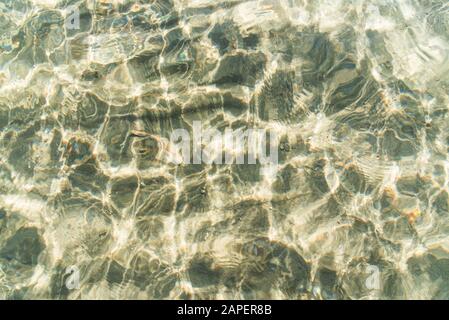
x=355, y=208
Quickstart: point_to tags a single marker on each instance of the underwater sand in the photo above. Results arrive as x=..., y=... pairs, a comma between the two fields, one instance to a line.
x=356, y=208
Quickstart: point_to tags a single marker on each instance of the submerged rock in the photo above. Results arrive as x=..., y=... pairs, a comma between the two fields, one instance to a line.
x=240, y=69
x=24, y=246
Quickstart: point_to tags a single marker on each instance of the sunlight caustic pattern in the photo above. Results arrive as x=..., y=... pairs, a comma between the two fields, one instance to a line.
x=354, y=207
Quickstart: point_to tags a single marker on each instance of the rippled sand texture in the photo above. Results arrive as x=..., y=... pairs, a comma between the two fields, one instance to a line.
x=358, y=91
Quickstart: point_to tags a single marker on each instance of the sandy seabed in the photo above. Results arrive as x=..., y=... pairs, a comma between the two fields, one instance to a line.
x=355, y=208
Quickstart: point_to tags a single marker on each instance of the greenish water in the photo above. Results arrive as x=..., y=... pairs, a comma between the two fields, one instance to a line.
x=356, y=207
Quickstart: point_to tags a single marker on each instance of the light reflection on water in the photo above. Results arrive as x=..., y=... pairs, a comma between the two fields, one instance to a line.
x=356, y=207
